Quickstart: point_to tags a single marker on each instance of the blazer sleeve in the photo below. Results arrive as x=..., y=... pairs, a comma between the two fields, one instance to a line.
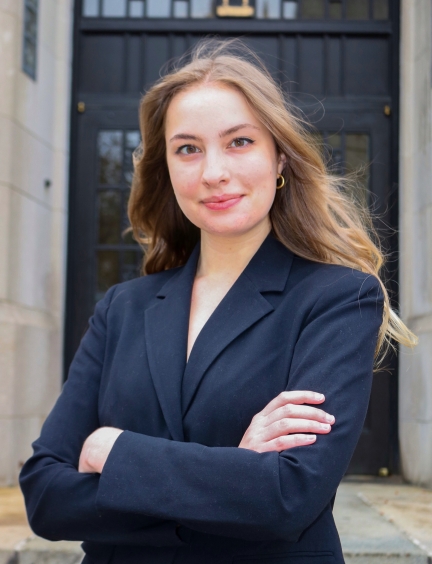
x=239, y=493
x=60, y=501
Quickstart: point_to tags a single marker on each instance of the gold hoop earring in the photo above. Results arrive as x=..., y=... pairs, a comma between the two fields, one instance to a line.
x=282, y=184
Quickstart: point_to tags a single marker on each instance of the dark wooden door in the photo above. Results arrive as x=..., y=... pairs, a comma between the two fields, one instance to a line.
x=337, y=59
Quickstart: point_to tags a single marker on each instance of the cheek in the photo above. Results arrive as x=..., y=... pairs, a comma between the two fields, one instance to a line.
x=259, y=177
x=184, y=182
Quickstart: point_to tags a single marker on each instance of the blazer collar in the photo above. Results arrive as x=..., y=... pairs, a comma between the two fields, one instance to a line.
x=167, y=324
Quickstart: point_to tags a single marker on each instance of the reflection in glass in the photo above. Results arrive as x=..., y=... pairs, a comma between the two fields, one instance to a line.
x=108, y=271
x=357, y=9
x=381, y=10
x=109, y=217
x=290, y=10
x=114, y=8
x=133, y=139
x=335, y=9
x=91, y=8
x=126, y=234
x=180, y=9
x=312, y=9
x=110, y=150
x=131, y=265
x=268, y=9
x=158, y=8
x=357, y=161
x=201, y=8
x=136, y=9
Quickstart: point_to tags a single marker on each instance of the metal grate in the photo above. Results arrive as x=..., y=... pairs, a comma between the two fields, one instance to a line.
x=258, y=9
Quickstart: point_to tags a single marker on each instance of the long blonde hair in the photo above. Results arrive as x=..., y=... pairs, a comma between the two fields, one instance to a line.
x=314, y=217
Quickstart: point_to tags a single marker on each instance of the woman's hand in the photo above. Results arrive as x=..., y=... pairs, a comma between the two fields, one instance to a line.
x=282, y=424
x=96, y=449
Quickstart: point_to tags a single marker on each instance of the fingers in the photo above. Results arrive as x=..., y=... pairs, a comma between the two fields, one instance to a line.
x=299, y=412
x=293, y=426
x=287, y=442
x=295, y=397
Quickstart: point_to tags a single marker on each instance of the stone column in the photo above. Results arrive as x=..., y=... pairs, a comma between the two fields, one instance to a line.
x=34, y=146
x=415, y=380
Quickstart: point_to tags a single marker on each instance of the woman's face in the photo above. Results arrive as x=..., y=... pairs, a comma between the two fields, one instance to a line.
x=222, y=161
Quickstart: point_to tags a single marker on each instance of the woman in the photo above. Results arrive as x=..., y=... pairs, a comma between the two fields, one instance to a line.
x=186, y=431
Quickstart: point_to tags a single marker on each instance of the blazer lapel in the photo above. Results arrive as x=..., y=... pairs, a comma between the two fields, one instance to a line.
x=166, y=332
x=243, y=306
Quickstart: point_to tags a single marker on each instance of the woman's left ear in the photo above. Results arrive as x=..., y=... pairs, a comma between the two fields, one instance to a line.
x=281, y=163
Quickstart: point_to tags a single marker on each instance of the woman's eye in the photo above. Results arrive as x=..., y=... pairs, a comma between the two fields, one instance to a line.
x=187, y=150
x=241, y=142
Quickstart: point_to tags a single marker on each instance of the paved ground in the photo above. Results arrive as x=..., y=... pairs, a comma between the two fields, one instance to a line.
x=380, y=522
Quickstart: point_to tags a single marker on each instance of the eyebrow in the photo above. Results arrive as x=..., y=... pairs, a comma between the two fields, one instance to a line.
x=229, y=131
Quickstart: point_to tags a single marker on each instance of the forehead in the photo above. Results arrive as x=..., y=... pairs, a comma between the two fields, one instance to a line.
x=209, y=104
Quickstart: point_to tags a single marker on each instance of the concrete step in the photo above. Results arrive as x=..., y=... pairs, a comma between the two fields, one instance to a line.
x=380, y=522
x=384, y=523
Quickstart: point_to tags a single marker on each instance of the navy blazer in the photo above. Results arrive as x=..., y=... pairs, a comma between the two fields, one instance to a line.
x=175, y=488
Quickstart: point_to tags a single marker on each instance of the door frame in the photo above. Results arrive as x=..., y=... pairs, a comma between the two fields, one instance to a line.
x=241, y=27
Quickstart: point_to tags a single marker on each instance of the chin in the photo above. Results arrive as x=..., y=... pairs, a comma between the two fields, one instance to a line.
x=228, y=229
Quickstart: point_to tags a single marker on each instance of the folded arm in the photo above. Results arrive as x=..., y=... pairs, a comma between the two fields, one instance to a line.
x=149, y=485
x=240, y=493
x=60, y=501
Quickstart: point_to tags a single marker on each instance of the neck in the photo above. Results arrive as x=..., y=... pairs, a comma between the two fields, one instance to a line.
x=228, y=256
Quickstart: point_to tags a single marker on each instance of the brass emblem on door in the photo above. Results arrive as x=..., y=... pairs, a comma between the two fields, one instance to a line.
x=225, y=9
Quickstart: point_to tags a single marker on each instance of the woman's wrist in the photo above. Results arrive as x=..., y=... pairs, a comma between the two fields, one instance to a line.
x=96, y=449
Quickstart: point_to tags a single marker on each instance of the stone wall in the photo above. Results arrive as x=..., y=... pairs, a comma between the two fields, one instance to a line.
x=415, y=381
x=34, y=138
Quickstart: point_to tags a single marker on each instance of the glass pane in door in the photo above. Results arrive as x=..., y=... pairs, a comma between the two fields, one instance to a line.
x=91, y=8
x=109, y=209
x=268, y=9
x=357, y=161
x=357, y=9
x=381, y=10
x=312, y=9
x=118, y=257
x=180, y=9
x=158, y=8
x=201, y=8
x=335, y=9
x=110, y=149
x=290, y=10
x=136, y=9
x=108, y=271
x=114, y=8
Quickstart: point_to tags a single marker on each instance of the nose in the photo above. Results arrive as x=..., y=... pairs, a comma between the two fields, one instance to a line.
x=215, y=171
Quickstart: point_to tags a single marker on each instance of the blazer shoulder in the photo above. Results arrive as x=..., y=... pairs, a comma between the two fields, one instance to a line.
x=334, y=281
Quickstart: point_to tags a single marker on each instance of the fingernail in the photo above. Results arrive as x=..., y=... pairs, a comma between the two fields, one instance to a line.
x=311, y=438
x=319, y=396
x=325, y=427
x=329, y=418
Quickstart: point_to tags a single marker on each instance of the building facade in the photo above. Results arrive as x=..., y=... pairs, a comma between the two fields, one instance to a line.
x=71, y=75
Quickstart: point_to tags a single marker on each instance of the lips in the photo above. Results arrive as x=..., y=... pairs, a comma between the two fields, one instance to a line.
x=222, y=198
x=222, y=202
